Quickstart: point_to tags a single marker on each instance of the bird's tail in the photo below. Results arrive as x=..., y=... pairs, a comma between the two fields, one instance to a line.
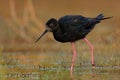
x=99, y=18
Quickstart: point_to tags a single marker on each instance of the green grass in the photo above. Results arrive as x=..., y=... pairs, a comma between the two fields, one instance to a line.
x=2, y=69
x=42, y=62
x=56, y=65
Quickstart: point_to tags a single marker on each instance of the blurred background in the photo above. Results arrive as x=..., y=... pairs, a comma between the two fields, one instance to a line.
x=22, y=21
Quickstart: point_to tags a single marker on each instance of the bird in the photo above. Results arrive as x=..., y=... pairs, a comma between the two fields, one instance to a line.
x=71, y=28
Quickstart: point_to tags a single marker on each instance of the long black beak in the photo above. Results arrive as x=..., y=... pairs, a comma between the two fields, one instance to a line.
x=41, y=35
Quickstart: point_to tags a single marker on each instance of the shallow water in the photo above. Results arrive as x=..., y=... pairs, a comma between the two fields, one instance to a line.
x=51, y=66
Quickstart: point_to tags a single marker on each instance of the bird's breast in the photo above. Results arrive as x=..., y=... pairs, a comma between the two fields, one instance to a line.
x=68, y=36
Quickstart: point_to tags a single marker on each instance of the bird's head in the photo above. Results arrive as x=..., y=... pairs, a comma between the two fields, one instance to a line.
x=51, y=25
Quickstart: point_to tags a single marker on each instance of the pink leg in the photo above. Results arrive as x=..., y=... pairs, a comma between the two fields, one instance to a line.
x=73, y=57
x=92, y=51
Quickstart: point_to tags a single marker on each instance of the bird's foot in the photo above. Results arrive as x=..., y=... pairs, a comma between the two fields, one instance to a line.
x=93, y=66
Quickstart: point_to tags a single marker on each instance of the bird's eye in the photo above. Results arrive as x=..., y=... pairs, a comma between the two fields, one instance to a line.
x=51, y=24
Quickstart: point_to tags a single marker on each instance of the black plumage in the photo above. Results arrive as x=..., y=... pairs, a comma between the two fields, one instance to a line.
x=71, y=28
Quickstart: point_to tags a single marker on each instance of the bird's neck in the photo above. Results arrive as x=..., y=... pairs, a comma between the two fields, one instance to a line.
x=57, y=28
x=59, y=35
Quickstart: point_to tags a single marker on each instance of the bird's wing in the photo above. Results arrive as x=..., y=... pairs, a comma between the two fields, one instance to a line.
x=72, y=22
